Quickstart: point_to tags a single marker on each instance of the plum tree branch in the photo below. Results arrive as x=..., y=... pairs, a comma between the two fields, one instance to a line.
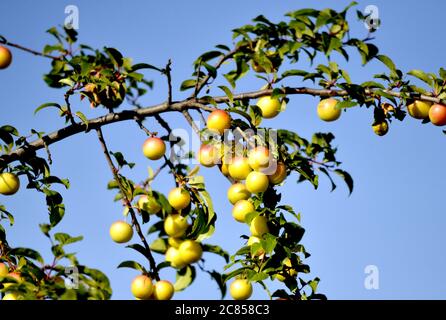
x=128, y=204
x=179, y=106
x=34, y=52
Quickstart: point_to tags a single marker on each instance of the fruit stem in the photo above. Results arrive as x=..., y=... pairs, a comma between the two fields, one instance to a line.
x=136, y=225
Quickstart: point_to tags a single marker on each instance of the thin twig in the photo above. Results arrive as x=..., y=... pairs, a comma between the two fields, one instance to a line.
x=67, y=101
x=191, y=121
x=143, y=128
x=37, y=53
x=200, y=85
x=169, y=82
x=202, y=116
x=128, y=204
x=50, y=160
x=246, y=138
x=155, y=174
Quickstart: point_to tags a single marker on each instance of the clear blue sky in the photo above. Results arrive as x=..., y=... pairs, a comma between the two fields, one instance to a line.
x=395, y=219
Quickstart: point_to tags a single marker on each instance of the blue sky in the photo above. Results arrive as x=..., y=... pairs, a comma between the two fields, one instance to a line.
x=394, y=219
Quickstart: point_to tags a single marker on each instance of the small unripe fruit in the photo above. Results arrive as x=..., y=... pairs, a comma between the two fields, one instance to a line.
x=175, y=225
x=16, y=276
x=260, y=252
x=259, y=226
x=5, y=57
x=327, y=111
x=240, y=289
x=258, y=158
x=239, y=168
x=257, y=182
x=142, y=287
x=11, y=296
x=219, y=121
x=3, y=270
x=237, y=192
x=190, y=251
x=279, y=175
x=241, y=209
x=270, y=107
x=419, y=109
x=173, y=256
x=380, y=128
x=149, y=204
x=208, y=155
x=179, y=198
x=437, y=114
x=9, y=183
x=163, y=290
x=174, y=242
x=154, y=148
x=121, y=232
x=225, y=169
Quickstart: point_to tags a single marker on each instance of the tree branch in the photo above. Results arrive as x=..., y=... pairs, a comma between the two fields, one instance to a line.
x=200, y=85
x=169, y=82
x=128, y=204
x=67, y=101
x=191, y=122
x=179, y=106
x=34, y=52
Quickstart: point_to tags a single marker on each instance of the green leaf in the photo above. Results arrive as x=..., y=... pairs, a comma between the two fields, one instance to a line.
x=218, y=277
x=346, y=104
x=53, y=179
x=159, y=245
x=67, y=81
x=48, y=105
x=372, y=84
x=269, y=243
x=115, y=56
x=333, y=185
x=346, y=76
x=223, y=47
x=8, y=214
x=217, y=250
x=235, y=273
x=313, y=284
x=388, y=62
x=255, y=113
x=187, y=84
x=208, y=56
x=121, y=160
x=65, y=238
x=132, y=265
x=422, y=76
x=184, y=278
x=83, y=118
x=28, y=253
x=294, y=73
x=257, y=276
x=347, y=178
x=9, y=129
x=228, y=93
x=139, y=66
x=45, y=228
x=57, y=212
